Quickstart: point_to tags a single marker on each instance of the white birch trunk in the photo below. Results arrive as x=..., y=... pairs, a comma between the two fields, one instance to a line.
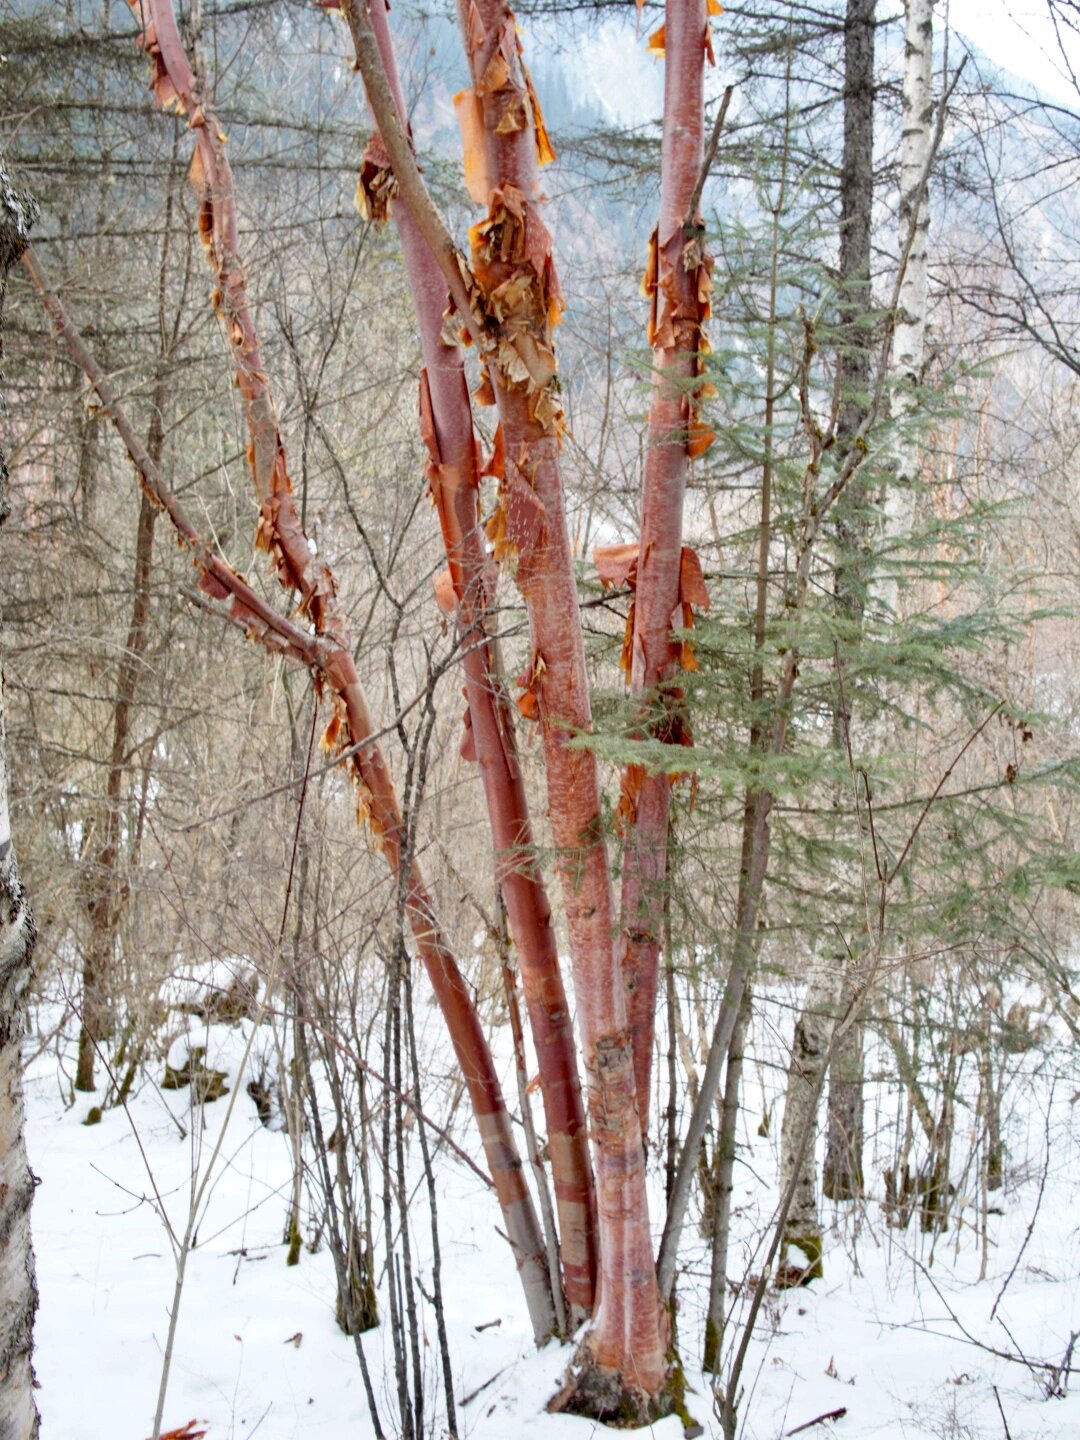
x=18, y=1289
x=809, y=1054
x=18, y=1286
x=909, y=340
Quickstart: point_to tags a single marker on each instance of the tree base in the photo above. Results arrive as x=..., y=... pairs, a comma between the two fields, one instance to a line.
x=790, y=1275
x=600, y=1393
x=607, y=1395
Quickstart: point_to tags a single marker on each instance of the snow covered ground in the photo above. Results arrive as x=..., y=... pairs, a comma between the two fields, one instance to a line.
x=901, y=1335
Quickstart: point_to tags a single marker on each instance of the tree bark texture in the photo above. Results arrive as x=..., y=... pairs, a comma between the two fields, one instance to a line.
x=725, y=1185
x=856, y=205
x=513, y=267
x=107, y=895
x=909, y=337
x=18, y=1285
x=843, y=1166
x=665, y=581
x=454, y=473
x=842, y=1177
x=809, y=1055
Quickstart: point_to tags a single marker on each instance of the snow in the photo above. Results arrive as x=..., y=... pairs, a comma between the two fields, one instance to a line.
x=896, y=1334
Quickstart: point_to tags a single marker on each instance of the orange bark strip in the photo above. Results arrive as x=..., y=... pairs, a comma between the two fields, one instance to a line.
x=281, y=535
x=668, y=575
x=447, y=429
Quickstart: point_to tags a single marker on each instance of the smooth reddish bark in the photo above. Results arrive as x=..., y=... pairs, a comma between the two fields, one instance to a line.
x=677, y=281
x=281, y=534
x=454, y=474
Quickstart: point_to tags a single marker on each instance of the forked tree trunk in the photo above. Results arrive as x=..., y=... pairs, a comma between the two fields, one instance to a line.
x=623, y=1364
x=677, y=281
x=18, y=1287
x=454, y=472
x=509, y=300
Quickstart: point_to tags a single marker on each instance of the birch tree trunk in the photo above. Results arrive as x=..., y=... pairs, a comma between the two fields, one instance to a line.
x=18, y=1286
x=678, y=284
x=909, y=339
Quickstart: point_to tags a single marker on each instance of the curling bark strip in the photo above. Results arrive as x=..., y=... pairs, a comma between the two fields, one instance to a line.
x=281, y=535
x=454, y=472
x=677, y=283
x=513, y=268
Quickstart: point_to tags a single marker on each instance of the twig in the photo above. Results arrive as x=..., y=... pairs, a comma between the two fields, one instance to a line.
x=710, y=155
x=820, y=1420
x=467, y=1399
x=1034, y=1213
x=892, y=874
x=1001, y=1412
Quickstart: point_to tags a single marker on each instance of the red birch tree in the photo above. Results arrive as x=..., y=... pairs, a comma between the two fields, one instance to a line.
x=507, y=300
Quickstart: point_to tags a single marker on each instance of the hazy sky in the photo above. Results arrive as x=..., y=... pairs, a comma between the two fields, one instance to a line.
x=1020, y=38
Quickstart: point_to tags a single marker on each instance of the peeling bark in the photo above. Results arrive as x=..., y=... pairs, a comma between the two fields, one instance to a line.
x=454, y=473
x=677, y=282
x=625, y=1352
x=18, y=1285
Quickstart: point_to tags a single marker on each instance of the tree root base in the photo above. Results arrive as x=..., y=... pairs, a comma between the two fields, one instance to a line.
x=599, y=1393
x=602, y=1394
